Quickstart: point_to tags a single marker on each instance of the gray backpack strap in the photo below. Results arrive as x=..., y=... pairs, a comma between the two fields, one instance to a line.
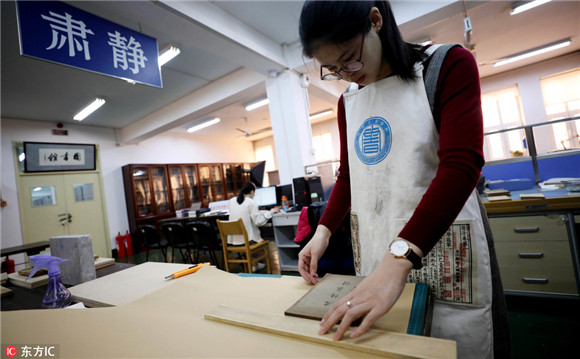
x=432, y=72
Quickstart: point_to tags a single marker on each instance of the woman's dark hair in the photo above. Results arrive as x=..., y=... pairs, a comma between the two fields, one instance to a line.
x=246, y=189
x=335, y=22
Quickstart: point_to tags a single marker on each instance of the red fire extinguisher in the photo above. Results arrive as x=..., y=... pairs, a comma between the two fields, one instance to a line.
x=129, y=243
x=8, y=265
x=120, y=245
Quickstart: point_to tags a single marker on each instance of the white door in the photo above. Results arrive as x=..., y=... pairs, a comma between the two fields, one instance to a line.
x=63, y=204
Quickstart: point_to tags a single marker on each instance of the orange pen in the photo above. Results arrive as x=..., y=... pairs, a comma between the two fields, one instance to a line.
x=187, y=271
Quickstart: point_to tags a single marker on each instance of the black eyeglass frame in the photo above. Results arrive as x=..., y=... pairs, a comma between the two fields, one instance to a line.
x=335, y=76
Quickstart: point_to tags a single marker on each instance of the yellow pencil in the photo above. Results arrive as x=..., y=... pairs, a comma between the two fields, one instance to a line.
x=187, y=271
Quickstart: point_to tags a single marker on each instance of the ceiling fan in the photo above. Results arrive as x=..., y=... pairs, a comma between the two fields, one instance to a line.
x=247, y=132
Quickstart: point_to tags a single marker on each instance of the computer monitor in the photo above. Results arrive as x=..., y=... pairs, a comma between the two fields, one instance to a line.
x=303, y=189
x=265, y=196
x=285, y=190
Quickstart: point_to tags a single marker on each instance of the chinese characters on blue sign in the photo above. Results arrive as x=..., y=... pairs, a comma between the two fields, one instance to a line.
x=57, y=32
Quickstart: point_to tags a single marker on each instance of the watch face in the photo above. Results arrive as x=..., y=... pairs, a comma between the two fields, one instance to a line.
x=399, y=248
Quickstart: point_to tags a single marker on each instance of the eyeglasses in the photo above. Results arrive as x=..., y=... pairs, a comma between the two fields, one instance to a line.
x=351, y=66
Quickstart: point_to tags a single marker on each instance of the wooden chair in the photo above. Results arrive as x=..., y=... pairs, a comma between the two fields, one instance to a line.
x=242, y=254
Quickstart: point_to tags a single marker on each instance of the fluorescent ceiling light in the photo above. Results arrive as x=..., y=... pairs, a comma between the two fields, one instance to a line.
x=533, y=52
x=254, y=105
x=36, y=189
x=205, y=124
x=319, y=114
x=21, y=157
x=167, y=54
x=527, y=6
x=89, y=109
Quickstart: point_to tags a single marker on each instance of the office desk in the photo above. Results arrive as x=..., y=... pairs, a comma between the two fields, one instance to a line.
x=536, y=242
x=169, y=323
x=183, y=220
x=24, y=298
x=29, y=249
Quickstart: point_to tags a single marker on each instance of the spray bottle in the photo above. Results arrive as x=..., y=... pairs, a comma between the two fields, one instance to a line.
x=57, y=296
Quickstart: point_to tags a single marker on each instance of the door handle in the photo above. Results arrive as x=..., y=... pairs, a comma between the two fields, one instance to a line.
x=535, y=280
x=527, y=229
x=531, y=255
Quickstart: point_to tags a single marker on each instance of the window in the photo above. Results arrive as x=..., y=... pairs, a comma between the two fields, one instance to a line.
x=561, y=93
x=322, y=144
x=502, y=110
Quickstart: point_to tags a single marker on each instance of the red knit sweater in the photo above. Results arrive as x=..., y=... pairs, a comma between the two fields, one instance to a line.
x=458, y=101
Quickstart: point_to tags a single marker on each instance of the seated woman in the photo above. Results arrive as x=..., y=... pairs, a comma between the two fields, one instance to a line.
x=243, y=206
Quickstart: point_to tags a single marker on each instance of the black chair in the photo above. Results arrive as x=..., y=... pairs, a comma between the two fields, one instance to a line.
x=205, y=238
x=175, y=233
x=150, y=238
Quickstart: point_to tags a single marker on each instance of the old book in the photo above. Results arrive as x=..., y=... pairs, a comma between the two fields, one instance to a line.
x=531, y=195
x=496, y=192
x=411, y=314
x=499, y=198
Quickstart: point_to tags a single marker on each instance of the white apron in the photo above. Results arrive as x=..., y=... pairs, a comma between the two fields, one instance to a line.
x=392, y=146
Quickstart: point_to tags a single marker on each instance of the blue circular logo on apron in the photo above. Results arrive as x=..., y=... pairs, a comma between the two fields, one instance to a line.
x=373, y=140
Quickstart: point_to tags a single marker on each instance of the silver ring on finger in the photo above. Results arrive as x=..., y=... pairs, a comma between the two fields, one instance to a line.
x=349, y=304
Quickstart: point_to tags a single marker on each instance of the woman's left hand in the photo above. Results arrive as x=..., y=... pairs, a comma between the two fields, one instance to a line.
x=373, y=297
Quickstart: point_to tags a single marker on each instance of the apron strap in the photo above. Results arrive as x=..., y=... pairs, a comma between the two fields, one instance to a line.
x=433, y=69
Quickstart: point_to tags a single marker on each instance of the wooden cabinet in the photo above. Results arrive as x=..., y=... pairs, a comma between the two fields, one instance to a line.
x=235, y=178
x=183, y=181
x=537, y=246
x=217, y=176
x=155, y=192
x=211, y=177
x=147, y=194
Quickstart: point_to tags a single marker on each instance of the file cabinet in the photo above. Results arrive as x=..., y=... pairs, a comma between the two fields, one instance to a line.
x=285, y=225
x=537, y=252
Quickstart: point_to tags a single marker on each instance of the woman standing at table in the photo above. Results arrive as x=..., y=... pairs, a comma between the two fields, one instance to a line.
x=408, y=175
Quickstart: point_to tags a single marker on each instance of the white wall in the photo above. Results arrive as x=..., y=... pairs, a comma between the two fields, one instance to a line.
x=317, y=128
x=164, y=148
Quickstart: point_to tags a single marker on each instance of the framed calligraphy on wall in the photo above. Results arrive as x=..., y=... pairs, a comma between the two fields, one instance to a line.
x=53, y=157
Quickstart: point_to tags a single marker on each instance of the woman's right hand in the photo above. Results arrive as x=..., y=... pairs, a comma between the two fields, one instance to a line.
x=311, y=253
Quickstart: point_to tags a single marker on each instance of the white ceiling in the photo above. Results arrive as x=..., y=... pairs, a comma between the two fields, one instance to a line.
x=228, y=47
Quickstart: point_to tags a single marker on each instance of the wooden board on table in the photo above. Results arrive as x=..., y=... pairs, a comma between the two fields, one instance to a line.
x=125, y=286
x=26, y=272
x=4, y=277
x=103, y=262
x=34, y=282
x=375, y=341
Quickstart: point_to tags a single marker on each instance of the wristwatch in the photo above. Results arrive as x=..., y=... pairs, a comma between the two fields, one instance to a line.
x=401, y=249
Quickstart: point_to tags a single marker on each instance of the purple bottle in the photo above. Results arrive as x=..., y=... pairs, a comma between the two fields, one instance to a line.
x=57, y=296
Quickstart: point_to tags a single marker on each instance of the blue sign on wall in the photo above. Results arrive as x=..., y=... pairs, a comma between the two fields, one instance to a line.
x=57, y=32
